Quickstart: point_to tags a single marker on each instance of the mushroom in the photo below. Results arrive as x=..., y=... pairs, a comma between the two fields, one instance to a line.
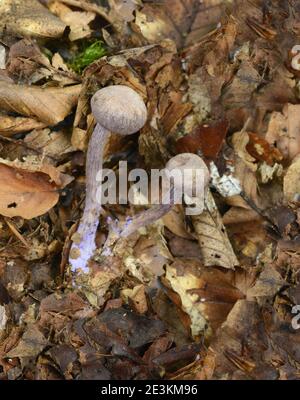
x=182, y=162
x=117, y=109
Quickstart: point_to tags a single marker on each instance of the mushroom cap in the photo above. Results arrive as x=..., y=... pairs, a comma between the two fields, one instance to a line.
x=192, y=162
x=119, y=109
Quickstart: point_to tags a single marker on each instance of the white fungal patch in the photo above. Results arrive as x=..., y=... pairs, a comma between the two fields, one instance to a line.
x=227, y=185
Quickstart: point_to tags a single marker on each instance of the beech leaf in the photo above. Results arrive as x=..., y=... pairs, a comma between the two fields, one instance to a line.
x=28, y=192
x=49, y=105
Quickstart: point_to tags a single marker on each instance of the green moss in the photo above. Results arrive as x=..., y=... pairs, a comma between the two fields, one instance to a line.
x=87, y=56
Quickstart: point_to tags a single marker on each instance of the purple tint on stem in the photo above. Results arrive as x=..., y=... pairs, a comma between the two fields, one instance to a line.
x=147, y=217
x=86, y=232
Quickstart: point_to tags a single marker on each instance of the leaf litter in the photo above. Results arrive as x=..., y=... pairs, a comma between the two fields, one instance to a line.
x=188, y=297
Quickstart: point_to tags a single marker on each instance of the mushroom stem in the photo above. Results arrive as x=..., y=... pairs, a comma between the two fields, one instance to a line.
x=147, y=217
x=84, y=244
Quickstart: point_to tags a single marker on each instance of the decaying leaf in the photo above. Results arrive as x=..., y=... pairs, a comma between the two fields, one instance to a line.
x=206, y=140
x=291, y=182
x=28, y=64
x=30, y=345
x=78, y=21
x=11, y=125
x=50, y=144
x=136, y=298
x=29, y=190
x=189, y=297
x=29, y=18
x=214, y=243
x=174, y=221
x=284, y=130
x=49, y=105
x=206, y=295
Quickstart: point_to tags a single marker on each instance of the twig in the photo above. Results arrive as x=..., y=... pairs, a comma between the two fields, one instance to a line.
x=16, y=232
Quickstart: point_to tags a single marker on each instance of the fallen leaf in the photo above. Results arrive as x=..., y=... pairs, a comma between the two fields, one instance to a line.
x=11, y=125
x=28, y=192
x=136, y=298
x=137, y=330
x=206, y=295
x=206, y=140
x=78, y=21
x=291, y=182
x=53, y=145
x=49, y=105
x=174, y=221
x=261, y=150
x=29, y=18
x=31, y=343
x=240, y=141
x=214, y=243
x=284, y=131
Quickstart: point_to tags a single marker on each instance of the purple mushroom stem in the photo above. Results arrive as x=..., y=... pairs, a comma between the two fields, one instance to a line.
x=147, y=217
x=85, y=245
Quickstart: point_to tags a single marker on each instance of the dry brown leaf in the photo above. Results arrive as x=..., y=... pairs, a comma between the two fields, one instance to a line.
x=11, y=125
x=78, y=21
x=239, y=142
x=207, y=19
x=30, y=345
x=155, y=25
x=51, y=144
x=87, y=6
x=284, y=131
x=123, y=9
x=29, y=18
x=214, y=243
x=27, y=64
x=243, y=85
x=238, y=215
x=291, y=182
x=206, y=295
x=136, y=298
x=28, y=190
x=245, y=168
x=49, y=105
x=174, y=221
x=248, y=183
x=149, y=257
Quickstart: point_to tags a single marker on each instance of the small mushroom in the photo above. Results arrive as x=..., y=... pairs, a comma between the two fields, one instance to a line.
x=117, y=109
x=181, y=162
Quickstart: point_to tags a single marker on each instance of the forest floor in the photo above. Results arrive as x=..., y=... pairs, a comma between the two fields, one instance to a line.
x=211, y=296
